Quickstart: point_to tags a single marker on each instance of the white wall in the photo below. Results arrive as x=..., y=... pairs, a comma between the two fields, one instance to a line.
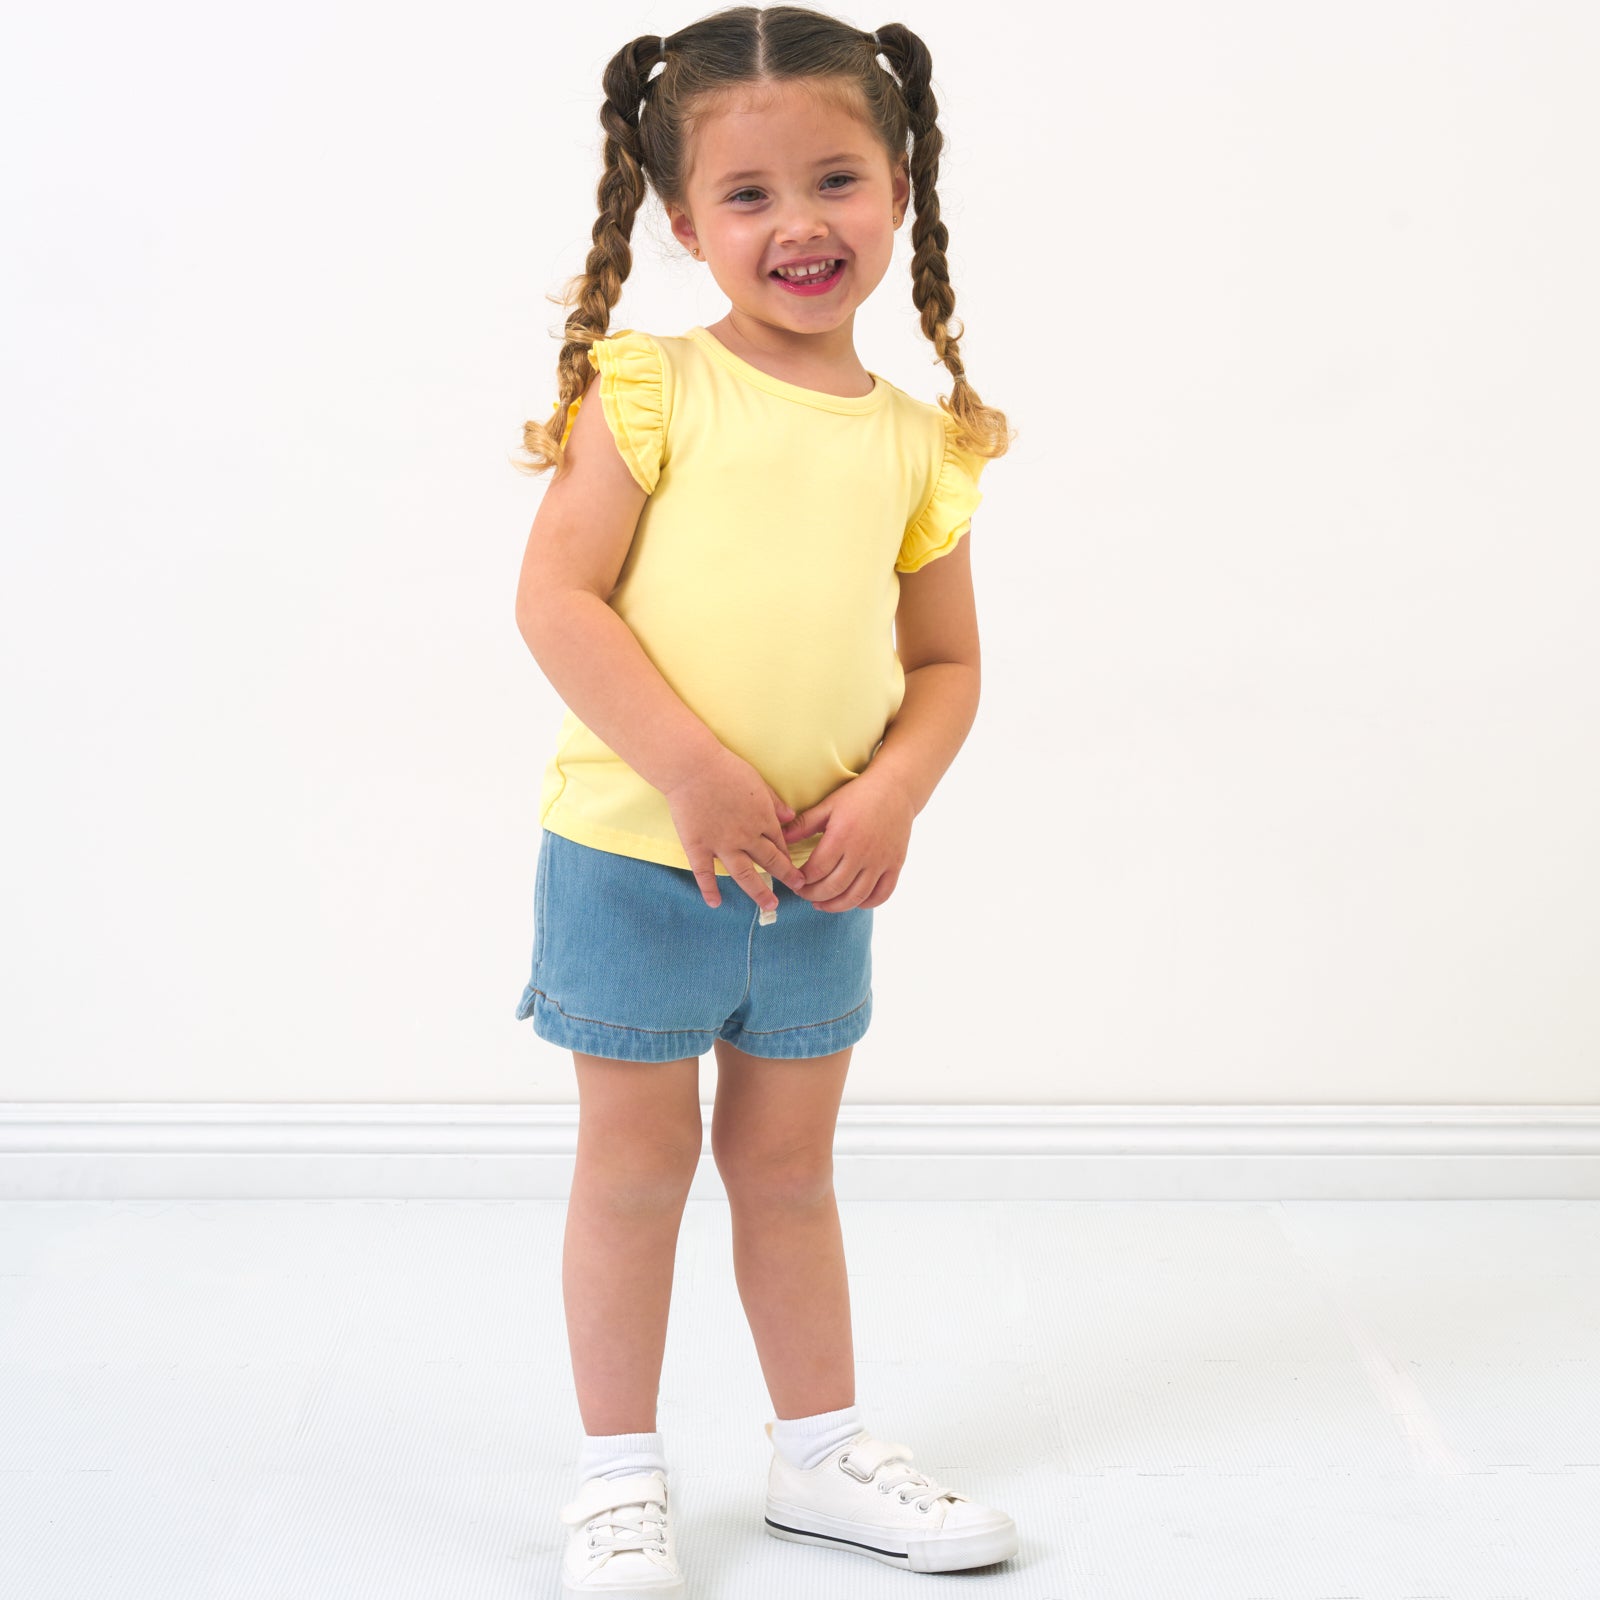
x=1285, y=783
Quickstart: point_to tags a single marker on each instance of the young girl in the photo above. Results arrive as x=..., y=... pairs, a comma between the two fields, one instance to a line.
x=714, y=583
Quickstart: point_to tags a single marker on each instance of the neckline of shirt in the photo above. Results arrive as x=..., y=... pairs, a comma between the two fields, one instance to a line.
x=714, y=347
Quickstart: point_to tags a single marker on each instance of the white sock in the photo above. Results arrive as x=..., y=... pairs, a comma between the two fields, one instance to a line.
x=804, y=1441
x=613, y=1455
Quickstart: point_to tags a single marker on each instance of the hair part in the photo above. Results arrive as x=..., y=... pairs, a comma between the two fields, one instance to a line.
x=650, y=118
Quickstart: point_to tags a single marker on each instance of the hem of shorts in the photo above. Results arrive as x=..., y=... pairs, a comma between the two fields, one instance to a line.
x=619, y=1042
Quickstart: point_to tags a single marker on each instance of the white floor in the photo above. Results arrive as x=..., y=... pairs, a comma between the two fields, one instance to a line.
x=1248, y=1400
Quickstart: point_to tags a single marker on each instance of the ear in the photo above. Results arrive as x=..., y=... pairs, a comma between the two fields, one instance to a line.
x=683, y=229
x=902, y=187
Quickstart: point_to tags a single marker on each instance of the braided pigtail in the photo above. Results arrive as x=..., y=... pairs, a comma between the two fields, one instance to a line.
x=983, y=428
x=593, y=292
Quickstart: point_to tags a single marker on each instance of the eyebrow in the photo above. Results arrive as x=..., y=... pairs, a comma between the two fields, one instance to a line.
x=826, y=161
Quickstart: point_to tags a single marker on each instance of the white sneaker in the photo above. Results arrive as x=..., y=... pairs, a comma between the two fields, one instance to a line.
x=864, y=1498
x=621, y=1539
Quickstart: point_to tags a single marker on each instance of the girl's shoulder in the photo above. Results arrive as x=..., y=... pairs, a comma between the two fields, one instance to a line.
x=636, y=396
x=952, y=494
x=628, y=350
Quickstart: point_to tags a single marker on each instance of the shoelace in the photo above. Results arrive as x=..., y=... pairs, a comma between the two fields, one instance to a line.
x=627, y=1528
x=894, y=1475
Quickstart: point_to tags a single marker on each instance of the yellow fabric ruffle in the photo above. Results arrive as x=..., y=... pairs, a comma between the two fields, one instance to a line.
x=629, y=364
x=948, y=513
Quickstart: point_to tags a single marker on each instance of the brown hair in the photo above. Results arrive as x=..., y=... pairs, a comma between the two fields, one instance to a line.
x=649, y=121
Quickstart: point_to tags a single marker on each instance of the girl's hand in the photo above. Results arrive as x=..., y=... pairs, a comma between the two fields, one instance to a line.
x=866, y=831
x=726, y=810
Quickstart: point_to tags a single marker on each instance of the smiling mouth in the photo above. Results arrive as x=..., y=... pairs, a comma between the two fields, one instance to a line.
x=810, y=280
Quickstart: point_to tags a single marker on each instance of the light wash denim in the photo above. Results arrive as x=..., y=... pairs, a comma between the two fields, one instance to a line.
x=631, y=963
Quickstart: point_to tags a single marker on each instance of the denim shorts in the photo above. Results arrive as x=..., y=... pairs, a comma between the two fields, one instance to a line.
x=630, y=962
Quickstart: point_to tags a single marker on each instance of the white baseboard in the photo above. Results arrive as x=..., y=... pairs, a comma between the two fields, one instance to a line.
x=98, y=1151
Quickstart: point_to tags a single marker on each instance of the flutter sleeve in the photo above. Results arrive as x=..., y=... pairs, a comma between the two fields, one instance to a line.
x=934, y=531
x=632, y=396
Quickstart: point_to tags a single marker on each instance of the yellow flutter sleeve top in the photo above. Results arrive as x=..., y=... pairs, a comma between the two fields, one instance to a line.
x=763, y=579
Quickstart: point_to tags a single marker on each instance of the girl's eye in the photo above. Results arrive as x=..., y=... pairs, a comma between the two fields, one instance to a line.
x=845, y=175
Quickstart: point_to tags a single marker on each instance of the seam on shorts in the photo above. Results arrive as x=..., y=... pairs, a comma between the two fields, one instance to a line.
x=600, y=1022
x=540, y=915
x=800, y=1027
x=749, y=955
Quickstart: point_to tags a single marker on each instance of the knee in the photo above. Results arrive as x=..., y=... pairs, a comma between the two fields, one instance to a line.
x=781, y=1176
x=642, y=1171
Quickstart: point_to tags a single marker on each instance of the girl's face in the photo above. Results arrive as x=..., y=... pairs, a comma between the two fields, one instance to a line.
x=795, y=181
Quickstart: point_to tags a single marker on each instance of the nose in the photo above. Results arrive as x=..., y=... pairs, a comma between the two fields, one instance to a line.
x=801, y=225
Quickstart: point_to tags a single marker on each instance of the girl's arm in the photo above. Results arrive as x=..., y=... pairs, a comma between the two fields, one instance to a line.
x=936, y=637
x=580, y=539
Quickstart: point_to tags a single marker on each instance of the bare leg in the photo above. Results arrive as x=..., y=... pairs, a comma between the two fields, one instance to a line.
x=639, y=1138
x=772, y=1137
